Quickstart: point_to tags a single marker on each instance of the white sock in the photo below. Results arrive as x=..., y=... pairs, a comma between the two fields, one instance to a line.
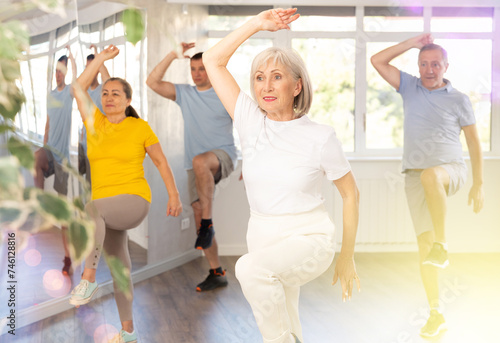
x=444, y=244
x=437, y=308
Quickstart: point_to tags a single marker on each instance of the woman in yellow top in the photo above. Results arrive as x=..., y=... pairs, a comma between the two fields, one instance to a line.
x=117, y=144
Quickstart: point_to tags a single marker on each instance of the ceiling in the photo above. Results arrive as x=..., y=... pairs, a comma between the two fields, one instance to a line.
x=27, y=10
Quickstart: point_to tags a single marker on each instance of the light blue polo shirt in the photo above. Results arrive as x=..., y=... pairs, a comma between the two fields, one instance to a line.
x=95, y=95
x=433, y=121
x=59, y=109
x=207, y=125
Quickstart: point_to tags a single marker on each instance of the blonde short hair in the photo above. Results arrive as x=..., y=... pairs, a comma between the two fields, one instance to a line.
x=294, y=64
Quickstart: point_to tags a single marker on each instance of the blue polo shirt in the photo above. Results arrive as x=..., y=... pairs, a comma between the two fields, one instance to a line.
x=207, y=125
x=433, y=120
x=95, y=95
x=59, y=110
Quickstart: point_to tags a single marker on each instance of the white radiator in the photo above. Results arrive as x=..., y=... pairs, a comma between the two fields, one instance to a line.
x=384, y=218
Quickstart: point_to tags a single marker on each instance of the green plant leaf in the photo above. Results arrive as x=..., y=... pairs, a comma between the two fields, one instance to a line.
x=9, y=214
x=11, y=182
x=80, y=236
x=78, y=203
x=55, y=207
x=30, y=192
x=15, y=39
x=134, y=25
x=120, y=274
x=11, y=101
x=13, y=214
x=34, y=222
x=5, y=128
x=22, y=151
x=10, y=69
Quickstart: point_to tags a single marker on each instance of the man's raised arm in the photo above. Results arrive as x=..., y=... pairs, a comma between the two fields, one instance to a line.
x=381, y=60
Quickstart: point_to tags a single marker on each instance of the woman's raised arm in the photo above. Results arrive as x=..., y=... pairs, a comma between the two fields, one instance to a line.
x=216, y=58
x=85, y=104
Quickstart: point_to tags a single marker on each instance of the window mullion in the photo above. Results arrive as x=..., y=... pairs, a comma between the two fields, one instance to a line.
x=495, y=85
x=360, y=85
x=33, y=100
x=427, y=18
x=50, y=66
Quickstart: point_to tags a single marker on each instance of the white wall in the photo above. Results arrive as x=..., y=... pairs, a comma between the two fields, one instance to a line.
x=166, y=25
x=230, y=214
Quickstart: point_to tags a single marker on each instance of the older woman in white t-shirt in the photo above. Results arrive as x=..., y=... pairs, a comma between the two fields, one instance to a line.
x=285, y=158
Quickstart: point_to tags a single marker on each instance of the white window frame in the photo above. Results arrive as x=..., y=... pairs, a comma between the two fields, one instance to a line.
x=284, y=38
x=37, y=137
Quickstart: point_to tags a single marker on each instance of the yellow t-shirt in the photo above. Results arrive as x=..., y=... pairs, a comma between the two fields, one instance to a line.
x=116, y=153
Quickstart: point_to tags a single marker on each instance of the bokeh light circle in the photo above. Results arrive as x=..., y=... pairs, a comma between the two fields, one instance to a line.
x=55, y=283
x=32, y=257
x=105, y=332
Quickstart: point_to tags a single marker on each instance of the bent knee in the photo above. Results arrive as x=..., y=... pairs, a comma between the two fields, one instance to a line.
x=245, y=269
x=40, y=158
x=91, y=209
x=429, y=176
x=434, y=178
x=200, y=162
x=196, y=206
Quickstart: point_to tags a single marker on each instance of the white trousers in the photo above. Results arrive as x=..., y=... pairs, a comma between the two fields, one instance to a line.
x=285, y=252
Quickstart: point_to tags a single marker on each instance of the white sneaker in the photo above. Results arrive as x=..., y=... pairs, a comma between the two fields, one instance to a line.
x=124, y=337
x=83, y=293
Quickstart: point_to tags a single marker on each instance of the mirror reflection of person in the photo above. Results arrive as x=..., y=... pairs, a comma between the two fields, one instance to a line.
x=94, y=91
x=434, y=115
x=117, y=144
x=285, y=158
x=56, y=140
x=209, y=150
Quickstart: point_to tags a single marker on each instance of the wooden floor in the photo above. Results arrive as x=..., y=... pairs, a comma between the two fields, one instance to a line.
x=391, y=307
x=38, y=270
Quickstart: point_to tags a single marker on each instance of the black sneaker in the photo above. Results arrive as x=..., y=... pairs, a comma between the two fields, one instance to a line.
x=214, y=280
x=438, y=256
x=205, y=236
x=434, y=326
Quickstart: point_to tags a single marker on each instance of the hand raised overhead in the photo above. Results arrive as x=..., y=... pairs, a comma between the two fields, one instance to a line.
x=277, y=19
x=110, y=52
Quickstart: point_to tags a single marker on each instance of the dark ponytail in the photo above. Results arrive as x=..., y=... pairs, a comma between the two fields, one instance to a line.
x=127, y=89
x=131, y=112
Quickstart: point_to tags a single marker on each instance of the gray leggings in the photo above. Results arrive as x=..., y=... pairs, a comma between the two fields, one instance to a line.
x=113, y=216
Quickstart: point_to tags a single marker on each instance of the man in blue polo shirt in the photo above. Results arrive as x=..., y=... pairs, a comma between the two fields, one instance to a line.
x=49, y=158
x=434, y=115
x=210, y=153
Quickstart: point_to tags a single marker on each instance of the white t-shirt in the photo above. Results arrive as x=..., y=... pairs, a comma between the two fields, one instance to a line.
x=284, y=162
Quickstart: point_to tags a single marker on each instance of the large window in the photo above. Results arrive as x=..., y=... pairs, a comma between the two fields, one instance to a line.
x=38, y=78
x=332, y=76
x=393, y=19
x=336, y=44
x=39, y=68
x=130, y=63
x=470, y=72
x=461, y=19
x=326, y=19
x=384, y=106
